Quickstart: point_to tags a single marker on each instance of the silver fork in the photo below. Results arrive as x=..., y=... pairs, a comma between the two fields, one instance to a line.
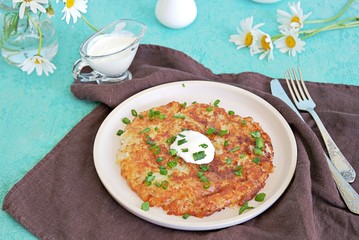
x=303, y=101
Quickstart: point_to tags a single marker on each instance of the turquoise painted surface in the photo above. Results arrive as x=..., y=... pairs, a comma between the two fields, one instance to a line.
x=37, y=112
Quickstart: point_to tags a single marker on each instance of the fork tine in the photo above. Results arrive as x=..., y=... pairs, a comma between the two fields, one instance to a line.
x=297, y=81
x=293, y=87
x=290, y=89
x=303, y=84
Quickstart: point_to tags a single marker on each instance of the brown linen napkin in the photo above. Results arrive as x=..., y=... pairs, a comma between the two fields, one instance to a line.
x=63, y=198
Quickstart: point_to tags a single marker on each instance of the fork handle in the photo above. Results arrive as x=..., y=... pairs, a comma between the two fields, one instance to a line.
x=349, y=195
x=336, y=156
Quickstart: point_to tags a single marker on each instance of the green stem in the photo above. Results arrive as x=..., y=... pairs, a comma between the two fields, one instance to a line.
x=38, y=29
x=338, y=25
x=88, y=23
x=349, y=3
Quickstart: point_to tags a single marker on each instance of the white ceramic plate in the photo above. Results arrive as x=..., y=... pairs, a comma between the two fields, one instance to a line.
x=233, y=98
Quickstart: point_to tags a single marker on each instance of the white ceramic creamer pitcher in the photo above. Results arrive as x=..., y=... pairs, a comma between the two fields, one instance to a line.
x=176, y=13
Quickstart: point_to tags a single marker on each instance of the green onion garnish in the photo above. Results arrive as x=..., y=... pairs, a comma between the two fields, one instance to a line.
x=222, y=132
x=203, y=145
x=133, y=112
x=256, y=134
x=146, y=130
x=184, y=104
x=145, y=206
x=209, y=109
x=163, y=170
x=181, y=135
x=199, y=155
x=179, y=116
x=172, y=152
x=216, y=102
x=238, y=171
x=244, y=207
x=206, y=184
x=164, y=184
x=211, y=130
x=203, y=168
x=260, y=197
x=185, y=216
x=171, y=140
x=159, y=159
x=182, y=141
x=243, y=122
x=226, y=143
x=242, y=155
x=150, y=142
x=184, y=149
x=259, y=143
x=234, y=149
x=120, y=132
x=149, y=178
x=256, y=160
x=172, y=164
x=125, y=120
x=228, y=161
x=258, y=151
x=230, y=112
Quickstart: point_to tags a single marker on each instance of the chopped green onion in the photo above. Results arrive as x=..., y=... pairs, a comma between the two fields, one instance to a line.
x=238, y=171
x=256, y=160
x=164, y=184
x=184, y=149
x=258, y=151
x=222, y=132
x=230, y=112
x=184, y=104
x=243, y=122
x=185, y=216
x=156, y=149
x=209, y=109
x=157, y=184
x=145, y=206
x=226, y=143
x=203, y=178
x=156, y=129
x=203, y=145
x=199, y=155
x=152, y=143
x=242, y=155
x=260, y=197
x=216, y=102
x=125, y=120
x=182, y=141
x=206, y=184
x=228, y=161
x=159, y=159
x=234, y=149
x=211, y=130
x=146, y=130
x=140, y=116
x=256, y=134
x=172, y=152
x=120, y=132
x=172, y=164
x=179, y=116
x=171, y=140
x=244, y=207
x=149, y=178
x=162, y=116
x=203, y=168
x=259, y=143
x=181, y=135
x=163, y=170
x=200, y=174
x=133, y=112
x=183, y=85
x=194, y=102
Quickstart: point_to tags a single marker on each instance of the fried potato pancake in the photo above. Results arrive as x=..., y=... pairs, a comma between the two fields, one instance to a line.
x=241, y=165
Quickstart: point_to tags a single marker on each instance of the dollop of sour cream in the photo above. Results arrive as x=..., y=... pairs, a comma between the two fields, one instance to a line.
x=193, y=147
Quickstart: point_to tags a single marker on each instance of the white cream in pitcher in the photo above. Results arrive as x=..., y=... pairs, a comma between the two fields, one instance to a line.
x=111, y=45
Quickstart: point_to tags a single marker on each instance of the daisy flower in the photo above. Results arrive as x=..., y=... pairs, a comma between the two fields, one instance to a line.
x=34, y=5
x=265, y=45
x=294, y=19
x=74, y=8
x=39, y=63
x=290, y=42
x=247, y=36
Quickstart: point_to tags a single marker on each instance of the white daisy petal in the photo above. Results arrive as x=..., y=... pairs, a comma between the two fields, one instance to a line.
x=294, y=19
x=38, y=63
x=74, y=10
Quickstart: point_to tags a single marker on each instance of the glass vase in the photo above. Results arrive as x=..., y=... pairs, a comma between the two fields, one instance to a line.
x=20, y=38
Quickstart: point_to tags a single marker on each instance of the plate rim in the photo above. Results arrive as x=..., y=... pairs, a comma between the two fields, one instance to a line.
x=201, y=226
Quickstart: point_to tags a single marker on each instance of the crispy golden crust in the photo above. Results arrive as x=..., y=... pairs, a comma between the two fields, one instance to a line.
x=144, y=145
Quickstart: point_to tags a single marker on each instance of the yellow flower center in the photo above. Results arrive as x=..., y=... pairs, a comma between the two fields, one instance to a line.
x=264, y=43
x=290, y=41
x=70, y=3
x=296, y=20
x=37, y=61
x=248, y=39
x=28, y=0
